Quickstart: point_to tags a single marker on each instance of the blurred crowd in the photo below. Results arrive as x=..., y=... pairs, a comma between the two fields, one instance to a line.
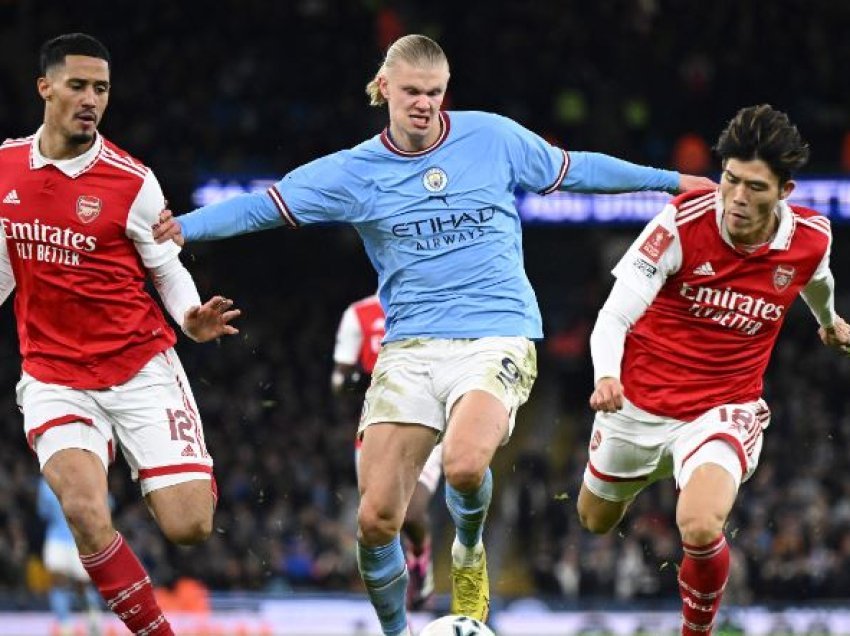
x=252, y=87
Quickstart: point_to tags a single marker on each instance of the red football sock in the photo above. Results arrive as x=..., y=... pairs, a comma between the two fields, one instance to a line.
x=126, y=588
x=702, y=578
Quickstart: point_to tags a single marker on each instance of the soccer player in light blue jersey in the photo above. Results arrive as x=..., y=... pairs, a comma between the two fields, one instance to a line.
x=432, y=197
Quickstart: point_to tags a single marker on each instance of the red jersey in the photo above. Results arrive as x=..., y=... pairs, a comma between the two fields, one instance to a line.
x=707, y=335
x=78, y=238
x=360, y=333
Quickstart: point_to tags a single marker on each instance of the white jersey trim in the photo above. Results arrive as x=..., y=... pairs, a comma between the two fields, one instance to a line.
x=123, y=163
x=72, y=168
x=565, y=166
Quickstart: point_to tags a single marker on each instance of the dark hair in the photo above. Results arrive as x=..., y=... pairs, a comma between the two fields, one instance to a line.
x=760, y=132
x=53, y=51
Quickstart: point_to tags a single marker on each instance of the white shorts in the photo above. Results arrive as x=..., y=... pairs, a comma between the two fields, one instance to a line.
x=153, y=416
x=431, y=471
x=631, y=448
x=418, y=381
x=62, y=557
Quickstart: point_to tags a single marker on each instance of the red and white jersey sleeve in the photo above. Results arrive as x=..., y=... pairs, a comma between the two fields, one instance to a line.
x=655, y=255
x=360, y=333
x=708, y=332
x=349, y=337
x=144, y=212
x=78, y=253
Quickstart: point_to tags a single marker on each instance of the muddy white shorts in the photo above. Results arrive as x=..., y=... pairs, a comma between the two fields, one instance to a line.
x=152, y=416
x=631, y=448
x=418, y=381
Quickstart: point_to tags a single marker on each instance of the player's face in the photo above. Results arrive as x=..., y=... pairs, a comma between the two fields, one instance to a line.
x=75, y=96
x=414, y=95
x=751, y=191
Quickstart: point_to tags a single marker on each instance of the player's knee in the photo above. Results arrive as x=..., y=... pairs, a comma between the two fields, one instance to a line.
x=377, y=525
x=595, y=523
x=464, y=474
x=700, y=528
x=88, y=517
x=188, y=530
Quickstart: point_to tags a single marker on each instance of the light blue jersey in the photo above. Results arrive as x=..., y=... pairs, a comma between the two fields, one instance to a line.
x=440, y=225
x=50, y=510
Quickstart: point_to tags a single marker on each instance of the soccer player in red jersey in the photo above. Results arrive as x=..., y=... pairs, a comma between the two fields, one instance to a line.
x=99, y=369
x=358, y=342
x=681, y=345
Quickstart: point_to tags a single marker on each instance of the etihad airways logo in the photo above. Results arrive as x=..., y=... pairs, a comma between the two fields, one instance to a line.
x=730, y=308
x=445, y=229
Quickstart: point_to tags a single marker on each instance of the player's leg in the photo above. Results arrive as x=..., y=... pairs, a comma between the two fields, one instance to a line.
x=78, y=477
x=704, y=504
x=91, y=602
x=417, y=532
x=162, y=437
x=713, y=455
x=62, y=560
x=624, y=456
x=59, y=596
x=478, y=426
x=487, y=381
x=391, y=458
x=184, y=511
x=599, y=515
x=72, y=438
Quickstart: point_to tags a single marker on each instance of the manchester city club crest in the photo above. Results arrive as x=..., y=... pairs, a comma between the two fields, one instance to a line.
x=435, y=179
x=782, y=277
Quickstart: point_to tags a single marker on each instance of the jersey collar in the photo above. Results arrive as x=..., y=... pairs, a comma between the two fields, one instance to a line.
x=782, y=238
x=445, y=126
x=71, y=167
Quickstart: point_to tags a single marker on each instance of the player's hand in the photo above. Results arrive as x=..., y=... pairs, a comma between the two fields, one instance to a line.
x=836, y=336
x=688, y=182
x=168, y=229
x=607, y=396
x=210, y=320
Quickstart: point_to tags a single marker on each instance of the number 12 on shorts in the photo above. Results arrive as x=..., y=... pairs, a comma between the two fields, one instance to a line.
x=181, y=425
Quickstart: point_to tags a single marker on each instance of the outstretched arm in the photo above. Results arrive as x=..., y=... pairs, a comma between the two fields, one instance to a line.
x=239, y=215
x=597, y=172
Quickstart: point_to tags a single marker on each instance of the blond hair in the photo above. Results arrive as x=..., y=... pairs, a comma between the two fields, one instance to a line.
x=416, y=50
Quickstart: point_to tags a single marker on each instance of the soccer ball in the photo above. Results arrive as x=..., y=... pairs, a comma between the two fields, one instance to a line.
x=456, y=626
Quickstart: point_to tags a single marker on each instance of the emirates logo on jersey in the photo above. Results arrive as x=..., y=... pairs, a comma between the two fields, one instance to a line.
x=88, y=208
x=782, y=277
